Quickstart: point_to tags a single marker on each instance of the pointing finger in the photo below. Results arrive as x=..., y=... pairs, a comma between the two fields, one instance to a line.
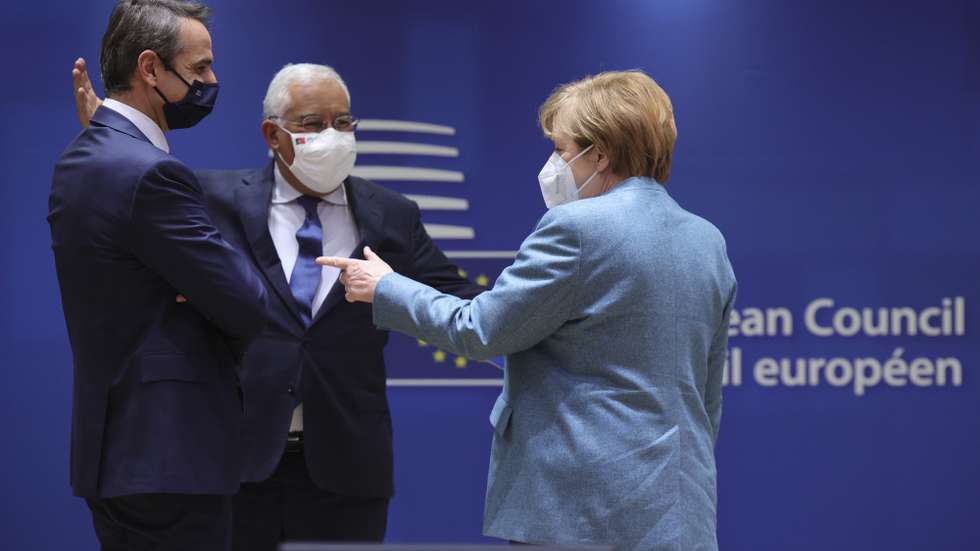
x=336, y=262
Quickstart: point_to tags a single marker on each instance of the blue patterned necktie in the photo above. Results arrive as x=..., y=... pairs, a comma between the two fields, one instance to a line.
x=306, y=273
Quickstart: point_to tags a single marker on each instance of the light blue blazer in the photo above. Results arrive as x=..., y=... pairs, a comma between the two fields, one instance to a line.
x=613, y=319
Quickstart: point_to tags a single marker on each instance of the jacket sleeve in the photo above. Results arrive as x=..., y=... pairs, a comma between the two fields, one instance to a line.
x=173, y=235
x=717, y=355
x=530, y=300
x=433, y=268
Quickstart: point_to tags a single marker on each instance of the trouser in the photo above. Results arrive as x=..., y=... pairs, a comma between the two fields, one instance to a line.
x=162, y=522
x=288, y=506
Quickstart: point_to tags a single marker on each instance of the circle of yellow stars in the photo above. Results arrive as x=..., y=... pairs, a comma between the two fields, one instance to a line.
x=440, y=356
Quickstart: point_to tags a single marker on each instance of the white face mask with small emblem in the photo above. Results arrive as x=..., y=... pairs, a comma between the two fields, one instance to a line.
x=322, y=161
x=557, y=181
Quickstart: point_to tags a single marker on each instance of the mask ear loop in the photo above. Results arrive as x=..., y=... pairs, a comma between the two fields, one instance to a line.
x=163, y=97
x=169, y=69
x=273, y=153
x=580, y=153
x=589, y=179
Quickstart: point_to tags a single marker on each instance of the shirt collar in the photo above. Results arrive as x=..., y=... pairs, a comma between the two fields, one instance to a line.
x=284, y=192
x=143, y=123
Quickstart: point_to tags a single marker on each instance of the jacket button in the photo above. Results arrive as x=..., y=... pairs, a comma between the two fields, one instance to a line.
x=291, y=390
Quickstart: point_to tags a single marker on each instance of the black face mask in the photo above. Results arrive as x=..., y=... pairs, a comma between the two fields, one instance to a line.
x=197, y=103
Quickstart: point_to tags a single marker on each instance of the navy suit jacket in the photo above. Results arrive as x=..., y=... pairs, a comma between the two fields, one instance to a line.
x=156, y=403
x=336, y=366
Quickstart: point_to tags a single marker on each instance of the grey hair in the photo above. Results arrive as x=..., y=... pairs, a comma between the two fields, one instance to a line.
x=139, y=25
x=277, y=98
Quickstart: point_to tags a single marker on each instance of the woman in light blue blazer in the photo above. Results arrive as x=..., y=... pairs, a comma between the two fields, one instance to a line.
x=613, y=318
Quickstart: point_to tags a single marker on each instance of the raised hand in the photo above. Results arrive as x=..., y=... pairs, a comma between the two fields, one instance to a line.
x=86, y=101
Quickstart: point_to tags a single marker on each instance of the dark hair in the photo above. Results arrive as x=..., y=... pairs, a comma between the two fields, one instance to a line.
x=138, y=25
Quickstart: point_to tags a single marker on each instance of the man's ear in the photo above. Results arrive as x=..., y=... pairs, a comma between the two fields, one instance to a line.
x=278, y=141
x=270, y=134
x=148, y=66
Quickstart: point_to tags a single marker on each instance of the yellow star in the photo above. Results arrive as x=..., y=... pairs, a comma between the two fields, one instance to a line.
x=460, y=362
x=423, y=343
x=482, y=280
x=462, y=272
x=439, y=356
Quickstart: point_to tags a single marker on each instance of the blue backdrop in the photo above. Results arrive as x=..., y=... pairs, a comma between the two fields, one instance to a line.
x=835, y=144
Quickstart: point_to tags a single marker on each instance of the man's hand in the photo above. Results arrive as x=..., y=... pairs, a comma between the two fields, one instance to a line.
x=359, y=277
x=86, y=101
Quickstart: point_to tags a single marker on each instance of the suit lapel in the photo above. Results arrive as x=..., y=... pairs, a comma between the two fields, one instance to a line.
x=253, y=198
x=369, y=218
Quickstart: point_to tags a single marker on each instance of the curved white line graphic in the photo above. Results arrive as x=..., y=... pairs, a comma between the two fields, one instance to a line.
x=405, y=126
x=445, y=382
x=405, y=148
x=406, y=173
x=438, y=202
x=480, y=254
x=444, y=231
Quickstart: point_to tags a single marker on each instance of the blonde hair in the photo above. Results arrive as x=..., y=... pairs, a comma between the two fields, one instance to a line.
x=625, y=114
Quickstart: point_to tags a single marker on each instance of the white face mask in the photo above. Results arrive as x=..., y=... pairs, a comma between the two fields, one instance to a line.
x=322, y=161
x=557, y=181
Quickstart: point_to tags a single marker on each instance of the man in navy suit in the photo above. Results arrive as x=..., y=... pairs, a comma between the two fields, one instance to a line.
x=317, y=443
x=157, y=407
x=316, y=447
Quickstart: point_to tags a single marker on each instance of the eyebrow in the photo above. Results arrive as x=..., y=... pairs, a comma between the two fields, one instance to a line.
x=204, y=61
x=338, y=114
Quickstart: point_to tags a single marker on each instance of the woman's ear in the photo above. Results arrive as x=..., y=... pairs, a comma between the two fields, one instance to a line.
x=601, y=160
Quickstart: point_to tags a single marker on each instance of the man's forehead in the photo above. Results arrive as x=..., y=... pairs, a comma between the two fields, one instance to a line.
x=324, y=97
x=195, y=41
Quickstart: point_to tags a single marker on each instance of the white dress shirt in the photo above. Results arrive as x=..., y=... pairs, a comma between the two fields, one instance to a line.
x=286, y=217
x=143, y=123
